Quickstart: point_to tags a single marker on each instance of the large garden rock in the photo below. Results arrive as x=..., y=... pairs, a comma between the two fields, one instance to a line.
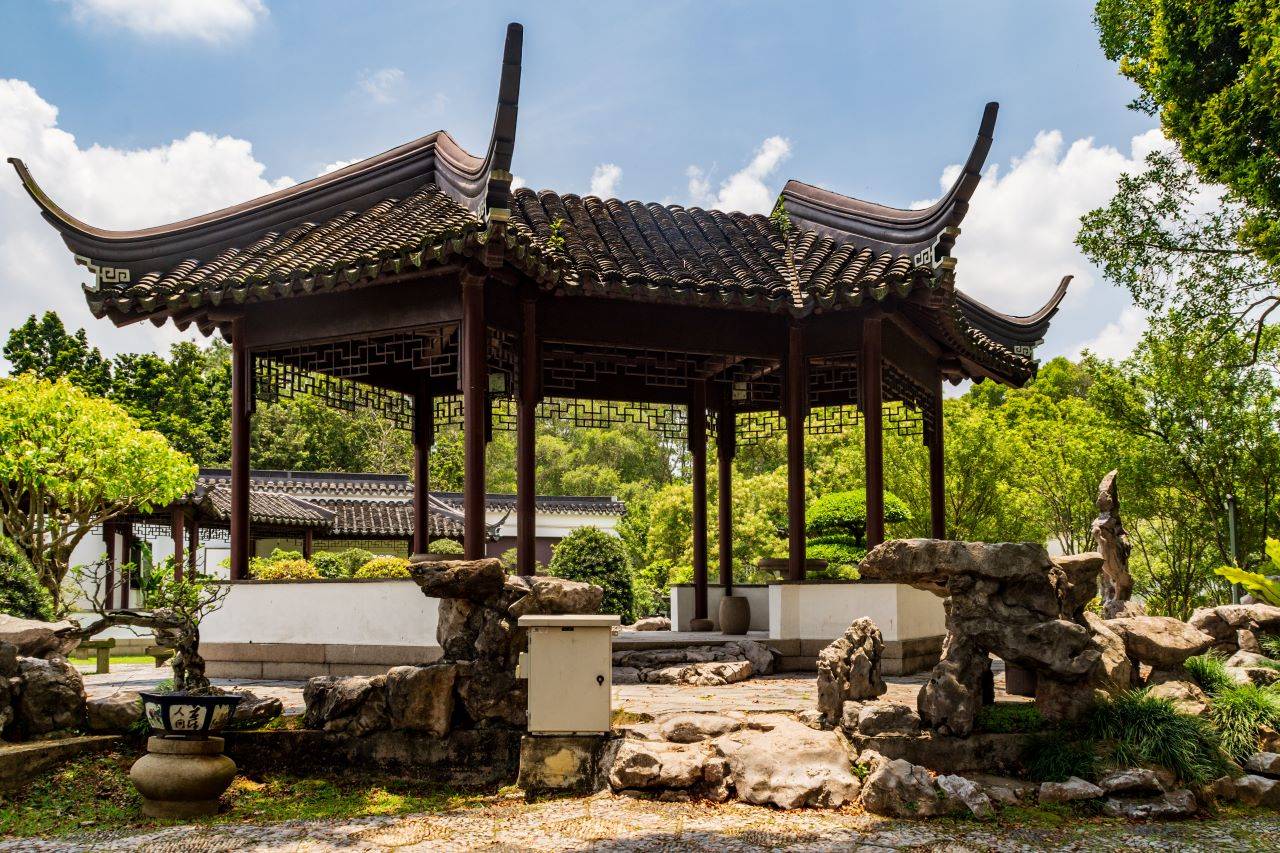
x=706, y=666
x=546, y=594
x=1264, y=764
x=651, y=623
x=878, y=718
x=115, y=713
x=332, y=701
x=647, y=764
x=255, y=711
x=36, y=639
x=1250, y=789
x=692, y=728
x=477, y=581
x=968, y=792
x=1135, y=781
x=1064, y=700
x=1235, y=626
x=1180, y=688
x=1069, y=791
x=51, y=697
x=493, y=696
x=899, y=788
x=849, y=668
x=789, y=766
x=950, y=700
x=420, y=698
x=1161, y=642
x=1170, y=806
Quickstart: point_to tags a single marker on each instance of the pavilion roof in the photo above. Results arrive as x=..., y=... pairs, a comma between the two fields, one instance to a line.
x=429, y=203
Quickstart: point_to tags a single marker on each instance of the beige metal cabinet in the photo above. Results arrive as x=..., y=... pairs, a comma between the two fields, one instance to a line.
x=568, y=666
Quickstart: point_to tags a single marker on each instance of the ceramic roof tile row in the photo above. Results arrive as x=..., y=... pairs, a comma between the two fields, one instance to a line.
x=269, y=508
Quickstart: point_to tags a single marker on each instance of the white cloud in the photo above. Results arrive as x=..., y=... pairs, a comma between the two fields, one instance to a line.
x=337, y=164
x=744, y=190
x=212, y=21
x=604, y=180
x=1118, y=338
x=383, y=85
x=107, y=187
x=517, y=182
x=1018, y=238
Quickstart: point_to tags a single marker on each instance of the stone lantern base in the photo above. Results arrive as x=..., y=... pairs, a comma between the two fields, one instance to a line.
x=182, y=778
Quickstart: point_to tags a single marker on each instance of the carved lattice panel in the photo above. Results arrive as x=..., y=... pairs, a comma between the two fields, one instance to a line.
x=275, y=381
x=908, y=407
x=833, y=381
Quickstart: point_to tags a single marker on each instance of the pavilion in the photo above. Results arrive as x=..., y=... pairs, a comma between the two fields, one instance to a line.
x=420, y=283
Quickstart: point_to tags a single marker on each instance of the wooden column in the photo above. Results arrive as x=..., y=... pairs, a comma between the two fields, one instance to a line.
x=870, y=378
x=126, y=551
x=475, y=410
x=526, y=441
x=796, y=393
x=423, y=438
x=109, y=581
x=193, y=544
x=308, y=544
x=698, y=450
x=726, y=446
x=177, y=521
x=937, y=470
x=240, y=406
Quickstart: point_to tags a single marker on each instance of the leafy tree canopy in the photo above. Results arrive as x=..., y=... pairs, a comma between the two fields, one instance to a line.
x=44, y=348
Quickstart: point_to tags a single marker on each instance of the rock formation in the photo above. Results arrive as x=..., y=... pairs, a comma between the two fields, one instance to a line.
x=1113, y=543
x=474, y=685
x=36, y=639
x=849, y=669
x=1236, y=627
x=707, y=666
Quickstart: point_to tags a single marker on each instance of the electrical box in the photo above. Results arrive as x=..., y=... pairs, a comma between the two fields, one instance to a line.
x=569, y=668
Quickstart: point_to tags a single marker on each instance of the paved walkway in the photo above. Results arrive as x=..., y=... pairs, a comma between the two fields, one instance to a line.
x=144, y=676
x=608, y=823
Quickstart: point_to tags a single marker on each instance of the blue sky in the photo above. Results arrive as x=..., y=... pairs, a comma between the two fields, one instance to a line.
x=661, y=101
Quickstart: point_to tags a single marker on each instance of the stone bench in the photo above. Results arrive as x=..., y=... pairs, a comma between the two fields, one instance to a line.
x=102, y=648
x=160, y=653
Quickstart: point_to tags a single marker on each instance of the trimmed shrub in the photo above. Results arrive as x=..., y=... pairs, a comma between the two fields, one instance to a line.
x=21, y=594
x=445, y=546
x=842, y=554
x=329, y=564
x=844, y=515
x=384, y=567
x=283, y=570
x=1147, y=730
x=589, y=554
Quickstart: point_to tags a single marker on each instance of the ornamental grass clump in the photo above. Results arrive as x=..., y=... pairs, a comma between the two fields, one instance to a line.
x=1210, y=672
x=1140, y=730
x=1238, y=711
x=384, y=567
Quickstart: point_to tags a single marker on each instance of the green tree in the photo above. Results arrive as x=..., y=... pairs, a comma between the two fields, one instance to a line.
x=185, y=398
x=21, y=594
x=590, y=555
x=44, y=348
x=69, y=462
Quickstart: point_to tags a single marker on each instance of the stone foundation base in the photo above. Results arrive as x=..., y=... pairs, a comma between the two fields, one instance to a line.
x=997, y=754
x=301, y=661
x=551, y=763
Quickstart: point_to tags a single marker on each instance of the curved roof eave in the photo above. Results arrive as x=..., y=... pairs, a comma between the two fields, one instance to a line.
x=1013, y=330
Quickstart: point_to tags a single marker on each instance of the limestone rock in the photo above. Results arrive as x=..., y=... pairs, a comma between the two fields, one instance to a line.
x=1160, y=641
x=642, y=764
x=763, y=659
x=1170, y=806
x=950, y=700
x=1264, y=764
x=256, y=711
x=492, y=695
x=626, y=675
x=330, y=700
x=879, y=718
x=849, y=714
x=51, y=698
x=1259, y=675
x=1179, y=688
x=1073, y=789
x=546, y=594
x=708, y=674
x=849, y=668
x=899, y=788
x=1066, y=700
x=1268, y=739
x=967, y=792
x=36, y=639
x=1223, y=622
x=1250, y=789
x=115, y=713
x=691, y=728
x=699, y=665
x=1244, y=660
x=476, y=581
x=652, y=623
x=1132, y=782
x=789, y=766
x=420, y=698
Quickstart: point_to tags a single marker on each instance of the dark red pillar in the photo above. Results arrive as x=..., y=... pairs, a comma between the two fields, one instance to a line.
x=797, y=402
x=177, y=527
x=423, y=437
x=726, y=446
x=109, y=581
x=475, y=411
x=698, y=451
x=937, y=472
x=308, y=544
x=526, y=441
x=240, y=396
x=193, y=544
x=870, y=378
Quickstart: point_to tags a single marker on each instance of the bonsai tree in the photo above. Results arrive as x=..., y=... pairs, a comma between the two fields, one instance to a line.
x=69, y=462
x=836, y=525
x=21, y=594
x=589, y=554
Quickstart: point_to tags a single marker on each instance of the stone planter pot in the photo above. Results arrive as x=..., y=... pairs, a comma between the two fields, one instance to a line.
x=182, y=778
x=735, y=615
x=188, y=715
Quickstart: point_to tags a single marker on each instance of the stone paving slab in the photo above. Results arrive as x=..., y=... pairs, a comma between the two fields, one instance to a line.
x=144, y=676
x=609, y=823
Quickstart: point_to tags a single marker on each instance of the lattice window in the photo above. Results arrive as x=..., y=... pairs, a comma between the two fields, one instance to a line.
x=913, y=414
x=833, y=381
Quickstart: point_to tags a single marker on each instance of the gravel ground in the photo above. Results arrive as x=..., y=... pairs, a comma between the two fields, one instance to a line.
x=608, y=823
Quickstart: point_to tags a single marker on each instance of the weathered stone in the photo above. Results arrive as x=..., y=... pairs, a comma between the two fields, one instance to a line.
x=545, y=594
x=950, y=700
x=476, y=581
x=1268, y=739
x=1179, y=688
x=812, y=718
x=1259, y=675
x=1162, y=642
x=1247, y=641
x=420, y=698
x=1224, y=622
x=255, y=711
x=1065, y=700
x=1113, y=543
x=1264, y=764
x=691, y=728
x=967, y=792
x=1245, y=659
x=648, y=764
x=899, y=788
x=849, y=668
x=626, y=675
x=1250, y=789
x=709, y=674
x=888, y=718
x=849, y=714
x=330, y=700
x=8, y=660
x=999, y=754
x=763, y=659
x=652, y=623
x=1170, y=806
x=789, y=766
x=1071, y=790
x=51, y=698
x=492, y=695
x=115, y=713
x=35, y=639
x=1134, y=781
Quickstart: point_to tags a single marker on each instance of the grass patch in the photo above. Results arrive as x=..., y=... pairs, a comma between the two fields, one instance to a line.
x=91, y=662
x=1237, y=712
x=93, y=794
x=1270, y=645
x=1056, y=756
x=1146, y=730
x=1010, y=718
x=1210, y=672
